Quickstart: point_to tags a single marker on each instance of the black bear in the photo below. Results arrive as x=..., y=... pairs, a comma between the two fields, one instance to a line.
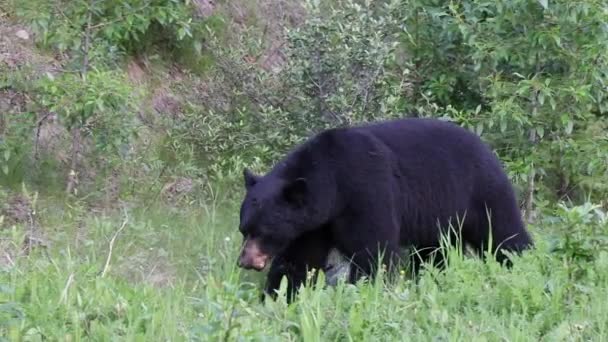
x=370, y=190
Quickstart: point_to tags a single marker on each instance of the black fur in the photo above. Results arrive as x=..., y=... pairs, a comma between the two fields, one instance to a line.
x=376, y=188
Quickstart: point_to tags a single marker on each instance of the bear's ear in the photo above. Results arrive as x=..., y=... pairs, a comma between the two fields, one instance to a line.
x=295, y=192
x=250, y=178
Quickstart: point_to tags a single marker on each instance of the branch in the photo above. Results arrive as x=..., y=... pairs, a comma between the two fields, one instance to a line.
x=87, y=43
x=64, y=293
x=72, y=175
x=38, y=128
x=107, y=265
x=532, y=138
x=120, y=18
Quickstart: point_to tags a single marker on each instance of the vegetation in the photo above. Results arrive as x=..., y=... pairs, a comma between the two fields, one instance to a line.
x=125, y=125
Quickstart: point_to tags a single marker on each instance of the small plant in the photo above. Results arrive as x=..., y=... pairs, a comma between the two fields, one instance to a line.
x=102, y=107
x=117, y=27
x=15, y=146
x=584, y=231
x=335, y=74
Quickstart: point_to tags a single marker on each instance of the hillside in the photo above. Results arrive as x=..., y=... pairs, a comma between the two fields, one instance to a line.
x=125, y=128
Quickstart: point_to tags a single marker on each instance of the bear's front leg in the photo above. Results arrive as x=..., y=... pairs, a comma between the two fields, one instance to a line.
x=307, y=252
x=282, y=267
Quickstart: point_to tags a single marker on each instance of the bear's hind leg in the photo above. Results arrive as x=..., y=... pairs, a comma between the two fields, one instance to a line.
x=431, y=255
x=368, y=239
x=365, y=260
x=504, y=225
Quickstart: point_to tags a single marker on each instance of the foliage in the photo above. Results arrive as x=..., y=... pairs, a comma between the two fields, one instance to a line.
x=125, y=27
x=527, y=75
x=15, y=146
x=120, y=29
x=335, y=74
x=90, y=93
x=102, y=105
x=161, y=286
x=337, y=63
x=537, y=75
x=16, y=126
x=582, y=231
x=529, y=79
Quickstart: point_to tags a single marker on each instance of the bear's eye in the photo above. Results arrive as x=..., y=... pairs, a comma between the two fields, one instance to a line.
x=253, y=231
x=247, y=228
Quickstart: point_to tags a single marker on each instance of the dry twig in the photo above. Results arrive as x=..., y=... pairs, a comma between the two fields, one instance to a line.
x=107, y=265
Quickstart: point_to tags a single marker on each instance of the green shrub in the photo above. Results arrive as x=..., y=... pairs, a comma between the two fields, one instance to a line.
x=124, y=27
x=335, y=74
x=102, y=105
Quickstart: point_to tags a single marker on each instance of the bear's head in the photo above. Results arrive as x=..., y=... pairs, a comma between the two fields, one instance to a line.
x=274, y=212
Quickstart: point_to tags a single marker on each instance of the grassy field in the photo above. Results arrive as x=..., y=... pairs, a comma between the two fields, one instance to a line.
x=167, y=274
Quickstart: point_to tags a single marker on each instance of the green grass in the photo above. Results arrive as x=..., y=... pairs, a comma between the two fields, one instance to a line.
x=172, y=276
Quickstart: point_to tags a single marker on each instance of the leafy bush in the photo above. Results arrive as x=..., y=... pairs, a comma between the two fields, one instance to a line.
x=535, y=77
x=125, y=27
x=335, y=74
x=15, y=146
x=16, y=127
x=579, y=236
x=518, y=73
x=529, y=76
x=101, y=106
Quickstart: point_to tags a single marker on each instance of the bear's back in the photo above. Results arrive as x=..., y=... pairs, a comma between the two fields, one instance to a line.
x=420, y=134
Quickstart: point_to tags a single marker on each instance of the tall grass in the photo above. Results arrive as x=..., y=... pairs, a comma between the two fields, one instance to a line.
x=172, y=276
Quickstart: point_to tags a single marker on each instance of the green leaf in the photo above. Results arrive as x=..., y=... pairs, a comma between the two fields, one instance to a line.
x=198, y=46
x=540, y=131
x=552, y=103
x=569, y=127
x=100, y=104
x=479, y=128
x=558, y=40
x=544, y=3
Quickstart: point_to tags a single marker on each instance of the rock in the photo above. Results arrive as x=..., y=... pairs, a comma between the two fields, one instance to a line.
x=204, y=8
x=22, y=34
x=337, y=267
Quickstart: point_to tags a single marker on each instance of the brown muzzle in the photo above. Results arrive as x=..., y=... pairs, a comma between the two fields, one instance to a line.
x=252, y=256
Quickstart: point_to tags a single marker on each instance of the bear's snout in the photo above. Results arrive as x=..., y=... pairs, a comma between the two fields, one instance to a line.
x=252, y=256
